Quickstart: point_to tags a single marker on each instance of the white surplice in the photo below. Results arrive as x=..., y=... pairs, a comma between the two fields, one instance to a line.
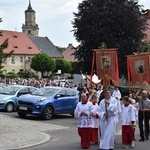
x=128, y=114
x=84, y=121
x=108, y=127
x=94, y=120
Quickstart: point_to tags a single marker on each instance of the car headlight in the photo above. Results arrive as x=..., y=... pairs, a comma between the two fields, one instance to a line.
x=2, y=99
x=40, y=100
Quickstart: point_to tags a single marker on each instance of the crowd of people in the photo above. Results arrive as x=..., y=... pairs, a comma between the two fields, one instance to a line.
x=98, y=117
x=32, y=82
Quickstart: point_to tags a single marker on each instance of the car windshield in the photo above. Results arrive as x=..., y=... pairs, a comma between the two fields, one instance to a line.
x=9, y=90
x=45, y=92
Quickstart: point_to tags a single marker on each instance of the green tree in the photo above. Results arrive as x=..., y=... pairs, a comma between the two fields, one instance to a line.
x=3, y=55
x=61, y=49
x=117, y=23
x=63, y=65
x=42, y=62
x=145, y=47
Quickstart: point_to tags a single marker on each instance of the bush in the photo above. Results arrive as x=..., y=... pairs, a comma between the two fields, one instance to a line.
x=11, y=75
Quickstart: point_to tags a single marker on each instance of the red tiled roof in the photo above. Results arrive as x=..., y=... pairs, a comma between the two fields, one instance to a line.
x=19, y=42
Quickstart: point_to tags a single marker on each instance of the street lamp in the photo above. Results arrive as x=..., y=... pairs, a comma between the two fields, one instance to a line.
x=103, y=65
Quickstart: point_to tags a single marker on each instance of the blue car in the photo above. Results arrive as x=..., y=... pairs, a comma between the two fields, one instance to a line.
x=9, y=95
x=48, y=101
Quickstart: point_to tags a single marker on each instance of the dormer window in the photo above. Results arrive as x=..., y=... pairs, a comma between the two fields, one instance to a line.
x=15, y=36
x=29, y=47
x=15, y=46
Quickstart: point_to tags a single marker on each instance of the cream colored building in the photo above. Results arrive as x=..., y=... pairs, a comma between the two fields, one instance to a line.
x=17, y=63
x=23, y=48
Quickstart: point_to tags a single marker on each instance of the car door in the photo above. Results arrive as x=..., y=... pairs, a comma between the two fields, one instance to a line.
x=71, y=100
x=60, y=102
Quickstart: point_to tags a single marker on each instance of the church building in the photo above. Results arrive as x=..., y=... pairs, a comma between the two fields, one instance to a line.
x=26, y=44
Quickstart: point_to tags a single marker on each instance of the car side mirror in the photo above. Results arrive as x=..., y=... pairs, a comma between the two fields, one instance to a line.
x=57, y=96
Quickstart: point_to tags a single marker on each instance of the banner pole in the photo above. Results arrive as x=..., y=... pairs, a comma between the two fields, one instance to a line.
x=92, y=68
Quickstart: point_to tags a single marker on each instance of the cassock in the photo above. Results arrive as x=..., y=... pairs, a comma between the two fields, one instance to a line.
x=84, y=123
x=108, y=125
x=127, y=118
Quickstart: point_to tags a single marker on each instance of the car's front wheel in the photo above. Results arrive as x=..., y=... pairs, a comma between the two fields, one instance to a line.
x=48, y=113
x=9, y=107
x=22, y=115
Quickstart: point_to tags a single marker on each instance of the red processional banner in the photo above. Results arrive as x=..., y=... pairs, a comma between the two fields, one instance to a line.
x=107, y=66
x=138, y=68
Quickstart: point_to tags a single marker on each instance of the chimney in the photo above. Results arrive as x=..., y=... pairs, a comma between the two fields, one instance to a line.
x=70, y=45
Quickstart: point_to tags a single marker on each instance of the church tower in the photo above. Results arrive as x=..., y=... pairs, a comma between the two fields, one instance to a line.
x=30, y=27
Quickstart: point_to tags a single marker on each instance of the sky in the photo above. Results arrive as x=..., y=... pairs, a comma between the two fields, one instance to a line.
x=53, y=17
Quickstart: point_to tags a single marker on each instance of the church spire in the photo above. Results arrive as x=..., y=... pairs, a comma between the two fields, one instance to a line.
x=29, y=7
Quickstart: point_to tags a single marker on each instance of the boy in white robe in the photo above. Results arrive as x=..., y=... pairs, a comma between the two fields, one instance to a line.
x=83, y=113
x=128, y=120
x=94, y=119
x=107, y=113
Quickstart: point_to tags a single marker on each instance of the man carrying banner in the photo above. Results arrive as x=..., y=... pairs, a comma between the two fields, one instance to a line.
x=144, y=114
x=107, y=113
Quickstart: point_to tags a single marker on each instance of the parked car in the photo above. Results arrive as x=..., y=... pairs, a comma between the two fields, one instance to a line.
x=48, y=101
x=9, y=95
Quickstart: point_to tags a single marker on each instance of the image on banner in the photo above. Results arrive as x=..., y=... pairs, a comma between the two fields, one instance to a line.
x=139, y=66
x=106, y=62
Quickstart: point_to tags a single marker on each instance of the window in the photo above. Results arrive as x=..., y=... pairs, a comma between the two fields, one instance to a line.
x=70, y=93
x=62, y=93
x=4, y=71
x=15, y=36
x=4, y=60
x=29, y=31
x=13, y=70
x=32, y=89
x=21, y=59
x=12, y=59
x=29, y=59
x=23, y=91
x=21, y=70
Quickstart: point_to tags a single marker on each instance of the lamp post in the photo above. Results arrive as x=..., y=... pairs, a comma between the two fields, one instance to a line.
x=103, y=59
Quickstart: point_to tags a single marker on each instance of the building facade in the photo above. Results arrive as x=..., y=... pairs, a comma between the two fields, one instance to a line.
x=147, y=15
x=23, y=48
x=68, y=53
